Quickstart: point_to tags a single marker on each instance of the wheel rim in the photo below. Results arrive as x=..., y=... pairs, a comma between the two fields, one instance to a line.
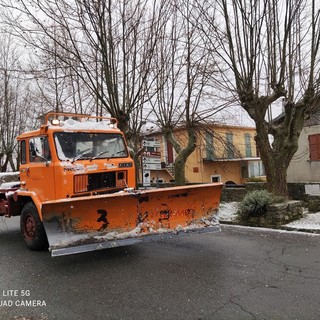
x=29, y=227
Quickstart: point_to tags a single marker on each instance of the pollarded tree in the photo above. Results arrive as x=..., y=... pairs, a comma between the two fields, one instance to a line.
x=269, y=54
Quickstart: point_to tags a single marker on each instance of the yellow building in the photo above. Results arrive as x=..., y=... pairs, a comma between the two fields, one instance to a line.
x=223, y=153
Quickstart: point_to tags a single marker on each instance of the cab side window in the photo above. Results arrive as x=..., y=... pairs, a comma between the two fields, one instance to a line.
x=23, y=152
x=39, y=149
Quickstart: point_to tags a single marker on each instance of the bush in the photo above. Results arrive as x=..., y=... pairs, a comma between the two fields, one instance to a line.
x=255, y=203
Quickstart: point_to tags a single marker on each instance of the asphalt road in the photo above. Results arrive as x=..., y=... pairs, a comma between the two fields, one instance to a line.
x=239, y=273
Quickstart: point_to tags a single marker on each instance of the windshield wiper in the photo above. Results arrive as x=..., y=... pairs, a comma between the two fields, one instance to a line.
x=80, y=155
x=98, y=155
x=124, y=151
x=103, y=152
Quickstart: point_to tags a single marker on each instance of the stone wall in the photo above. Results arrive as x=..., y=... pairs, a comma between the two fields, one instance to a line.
x=277, y=215
x=313, y=203
x=296, y=191
x=230, y=194
x=236, y=193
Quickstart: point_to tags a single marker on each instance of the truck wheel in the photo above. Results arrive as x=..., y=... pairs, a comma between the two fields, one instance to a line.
x=32, y=228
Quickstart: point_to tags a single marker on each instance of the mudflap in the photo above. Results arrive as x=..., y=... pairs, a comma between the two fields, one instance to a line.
x=103, y=221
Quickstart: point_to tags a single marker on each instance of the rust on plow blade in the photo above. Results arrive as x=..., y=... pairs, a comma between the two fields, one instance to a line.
x=103, y=221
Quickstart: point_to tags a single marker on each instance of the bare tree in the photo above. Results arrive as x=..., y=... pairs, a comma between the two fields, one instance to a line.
x=13, y=102
x=107, y=44
x=269, y=54
x=59, y=87
x=181, y=91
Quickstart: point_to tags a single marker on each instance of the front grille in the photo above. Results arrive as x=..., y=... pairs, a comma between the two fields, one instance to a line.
x=80, y=183
x=102, y=180
x=98, y=181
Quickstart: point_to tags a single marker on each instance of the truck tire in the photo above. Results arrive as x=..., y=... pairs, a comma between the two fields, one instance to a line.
x=32, y=228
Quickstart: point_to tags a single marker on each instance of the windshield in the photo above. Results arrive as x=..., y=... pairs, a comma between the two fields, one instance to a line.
x=87, y=145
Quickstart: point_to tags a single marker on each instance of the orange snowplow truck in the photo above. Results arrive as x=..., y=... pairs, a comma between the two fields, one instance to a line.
x=77, y=191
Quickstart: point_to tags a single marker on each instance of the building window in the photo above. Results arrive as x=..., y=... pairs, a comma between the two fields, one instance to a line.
x=252, y=169
x=314, y=146
x=230, y=146
x=216, y=178
x=244, y=170
x=209, y=146
x=256, y=169
x=247, y=139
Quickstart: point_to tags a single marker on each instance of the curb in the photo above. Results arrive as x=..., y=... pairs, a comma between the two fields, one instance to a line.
x=233, y=223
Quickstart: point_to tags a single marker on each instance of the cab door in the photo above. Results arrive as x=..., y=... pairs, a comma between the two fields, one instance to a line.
x=39, y=173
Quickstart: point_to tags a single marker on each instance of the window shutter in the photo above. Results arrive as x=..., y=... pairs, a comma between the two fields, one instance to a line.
x=314, y=146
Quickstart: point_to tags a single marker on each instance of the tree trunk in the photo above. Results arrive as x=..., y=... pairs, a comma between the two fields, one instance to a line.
x=277, y=181
x=5, y=165
x=182, y=153
x=179, y=171
x=12, y=164
x=276, y=157
x=180, y=162
x=276, y=172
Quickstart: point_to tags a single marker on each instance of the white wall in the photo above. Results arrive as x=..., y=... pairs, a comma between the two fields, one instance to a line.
x=301, y=169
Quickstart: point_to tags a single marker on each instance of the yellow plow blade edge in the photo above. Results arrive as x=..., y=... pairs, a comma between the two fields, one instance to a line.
x=104, y=221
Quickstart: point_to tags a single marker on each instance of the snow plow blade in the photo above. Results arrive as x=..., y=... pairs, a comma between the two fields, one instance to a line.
x=103, y=221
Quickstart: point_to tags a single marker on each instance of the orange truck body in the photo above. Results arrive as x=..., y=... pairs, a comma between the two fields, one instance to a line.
x=77, y=190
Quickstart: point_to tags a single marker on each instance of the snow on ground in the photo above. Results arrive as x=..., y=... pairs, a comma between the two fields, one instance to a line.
x=310, y=221
x=5, y=174
x=9, y=185
x=227, y=211
x=6, y=177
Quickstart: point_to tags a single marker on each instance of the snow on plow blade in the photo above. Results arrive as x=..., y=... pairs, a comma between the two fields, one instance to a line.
x=103, y=221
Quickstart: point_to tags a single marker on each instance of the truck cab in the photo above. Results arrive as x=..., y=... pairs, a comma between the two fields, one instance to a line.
x=67, y=158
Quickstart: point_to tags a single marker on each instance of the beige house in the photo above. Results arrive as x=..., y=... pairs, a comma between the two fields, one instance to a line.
x=223, y=153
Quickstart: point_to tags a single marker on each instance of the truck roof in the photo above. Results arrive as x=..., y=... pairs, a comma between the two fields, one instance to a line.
x=91, y=124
